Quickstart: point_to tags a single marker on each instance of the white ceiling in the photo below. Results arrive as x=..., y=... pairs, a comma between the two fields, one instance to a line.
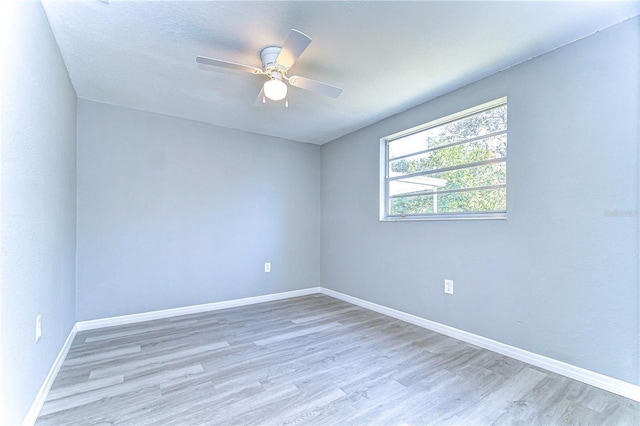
x=387, y=56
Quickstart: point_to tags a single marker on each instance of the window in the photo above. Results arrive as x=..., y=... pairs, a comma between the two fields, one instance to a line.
x=451, y=168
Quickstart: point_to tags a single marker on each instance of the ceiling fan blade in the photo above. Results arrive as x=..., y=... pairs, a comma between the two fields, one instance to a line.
x=315, y=86
x=293, y=46
x=226, y=64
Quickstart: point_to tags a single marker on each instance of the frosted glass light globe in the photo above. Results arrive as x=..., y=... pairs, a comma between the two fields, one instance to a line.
x=275, y=89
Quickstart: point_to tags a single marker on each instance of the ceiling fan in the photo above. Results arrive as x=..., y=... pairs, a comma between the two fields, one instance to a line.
x=276, y=62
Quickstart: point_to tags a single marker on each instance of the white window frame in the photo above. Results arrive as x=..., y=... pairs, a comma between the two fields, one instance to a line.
x=384, y=168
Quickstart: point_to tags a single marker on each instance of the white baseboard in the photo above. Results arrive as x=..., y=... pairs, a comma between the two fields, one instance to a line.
x=194, y=309
x=589, y=377
x=34, y=411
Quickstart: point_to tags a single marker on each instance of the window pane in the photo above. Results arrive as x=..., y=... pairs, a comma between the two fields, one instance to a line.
x=470, y=152
x=408, y=144
x=473, y=201
x=483, y=200
x=473, y=177
x=411, y=205
x=470, y=177
x=483, y=123
x=415, y=184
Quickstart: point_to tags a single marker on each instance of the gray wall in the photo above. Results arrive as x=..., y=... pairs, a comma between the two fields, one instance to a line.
x=560, y=276
x=173, y=212
x=38, y=205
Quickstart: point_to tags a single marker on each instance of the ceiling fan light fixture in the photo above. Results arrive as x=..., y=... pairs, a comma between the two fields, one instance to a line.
x=275, y=89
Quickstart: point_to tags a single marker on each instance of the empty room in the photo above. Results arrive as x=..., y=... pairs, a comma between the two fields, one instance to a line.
x=319, y=212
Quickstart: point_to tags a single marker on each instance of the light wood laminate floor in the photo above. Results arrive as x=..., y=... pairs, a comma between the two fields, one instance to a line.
x=310, y=360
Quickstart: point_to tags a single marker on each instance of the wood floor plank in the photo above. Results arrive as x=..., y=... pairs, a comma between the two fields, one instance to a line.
x=78, y=388
x=138, y=365
x=311, y=360
x=298, y=333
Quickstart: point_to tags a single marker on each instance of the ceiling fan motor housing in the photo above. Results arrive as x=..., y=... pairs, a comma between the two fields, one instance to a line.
x=269, y=56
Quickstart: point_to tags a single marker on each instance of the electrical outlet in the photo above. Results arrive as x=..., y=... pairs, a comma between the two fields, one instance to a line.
x=38, y=327
x=267, y=267
x=448, y=286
